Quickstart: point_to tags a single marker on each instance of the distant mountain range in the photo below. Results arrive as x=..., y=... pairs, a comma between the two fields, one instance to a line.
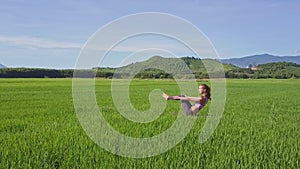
x=2, y=66
x=274, y=67
x=158, y=67
x=260, y=59
x=196, y=64
x=242, y=62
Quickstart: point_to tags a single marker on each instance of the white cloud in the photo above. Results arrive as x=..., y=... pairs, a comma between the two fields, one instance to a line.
x=24, y=41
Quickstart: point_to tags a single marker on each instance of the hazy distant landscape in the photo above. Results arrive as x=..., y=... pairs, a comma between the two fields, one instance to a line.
x=256, y=67
x=2, y=66
x=260, y=59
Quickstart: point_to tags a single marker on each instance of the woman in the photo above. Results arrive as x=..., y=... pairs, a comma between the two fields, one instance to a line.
x=200, y=101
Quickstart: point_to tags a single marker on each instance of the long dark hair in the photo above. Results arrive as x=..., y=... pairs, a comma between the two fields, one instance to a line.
x=207, y=89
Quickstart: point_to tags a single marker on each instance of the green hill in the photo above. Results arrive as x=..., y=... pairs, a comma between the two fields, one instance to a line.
x=159, y=67
x=279, y=70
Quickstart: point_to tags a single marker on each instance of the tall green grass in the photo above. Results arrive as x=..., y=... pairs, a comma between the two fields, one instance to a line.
x=260, y=127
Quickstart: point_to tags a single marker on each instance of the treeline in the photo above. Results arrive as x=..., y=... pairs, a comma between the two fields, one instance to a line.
x=96, y=72
x=100, y=73
x=280, y=70
x=54, y=73
x=34, y=73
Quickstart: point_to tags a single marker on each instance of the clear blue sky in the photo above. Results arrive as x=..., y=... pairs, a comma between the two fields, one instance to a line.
x=50, y=34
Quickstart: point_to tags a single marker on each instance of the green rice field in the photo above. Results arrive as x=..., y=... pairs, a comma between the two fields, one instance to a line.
x=260, y=127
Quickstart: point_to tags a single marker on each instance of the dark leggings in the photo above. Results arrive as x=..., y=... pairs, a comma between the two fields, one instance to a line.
x=186, y=105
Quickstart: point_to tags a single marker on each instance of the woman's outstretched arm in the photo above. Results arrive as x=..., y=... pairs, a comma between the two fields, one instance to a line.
x=188, y=98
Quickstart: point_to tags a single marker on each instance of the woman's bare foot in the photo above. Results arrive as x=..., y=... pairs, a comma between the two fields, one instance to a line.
x=165, y=96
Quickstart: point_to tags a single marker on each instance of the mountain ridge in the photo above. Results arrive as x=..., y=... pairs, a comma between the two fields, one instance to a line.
x=244, y=62
x=2, y=66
